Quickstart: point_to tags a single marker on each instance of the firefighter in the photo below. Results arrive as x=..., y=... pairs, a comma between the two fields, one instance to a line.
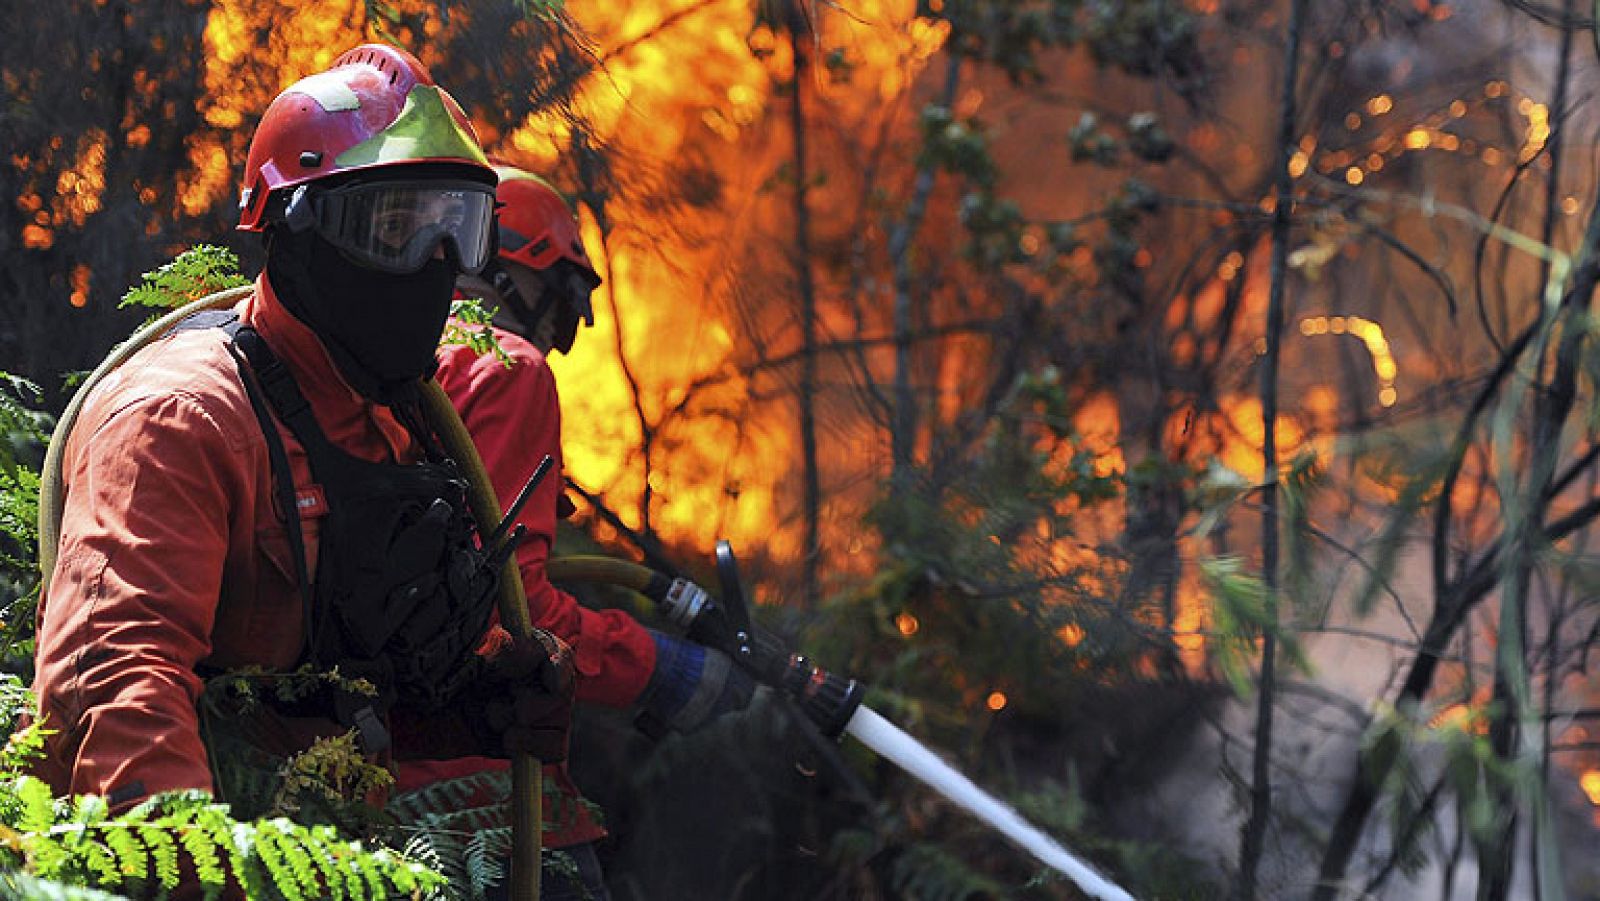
x=540, y=283
x=258, y=488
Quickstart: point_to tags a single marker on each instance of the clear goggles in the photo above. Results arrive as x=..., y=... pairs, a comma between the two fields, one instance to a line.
x=396, y=226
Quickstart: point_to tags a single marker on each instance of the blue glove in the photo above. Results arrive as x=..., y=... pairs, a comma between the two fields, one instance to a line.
x=693, y=685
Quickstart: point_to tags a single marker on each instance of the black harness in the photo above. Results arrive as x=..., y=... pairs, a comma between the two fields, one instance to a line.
x=404, y=584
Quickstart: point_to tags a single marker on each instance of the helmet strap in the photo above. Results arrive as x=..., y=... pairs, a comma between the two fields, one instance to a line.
x=505, y=287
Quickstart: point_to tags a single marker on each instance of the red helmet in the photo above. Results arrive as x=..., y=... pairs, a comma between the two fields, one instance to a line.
x=375, y=107
x=537, y=228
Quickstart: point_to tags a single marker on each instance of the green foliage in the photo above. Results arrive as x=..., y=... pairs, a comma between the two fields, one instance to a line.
x=461, y=828
x=1090, y=143
x=65, y=847
x=1455, y=737
x=201, y=270
x=1145, y=38
x=16, y=885
x=243, y=686
x=23, y=432
x=333, y=770
x=1146, y=140
x=931, y=872
x=1241, y=617
x=1298, y=488
x=1417, y=469
x=469, y=324
x=957, y=146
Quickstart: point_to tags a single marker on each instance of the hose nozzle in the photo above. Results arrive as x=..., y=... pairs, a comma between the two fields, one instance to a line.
x=828, y=700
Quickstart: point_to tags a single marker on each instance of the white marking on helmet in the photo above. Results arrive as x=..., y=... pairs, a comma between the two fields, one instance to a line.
x=329, y=90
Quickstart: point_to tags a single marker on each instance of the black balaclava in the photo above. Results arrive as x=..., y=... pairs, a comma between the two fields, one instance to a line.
x=380, y=329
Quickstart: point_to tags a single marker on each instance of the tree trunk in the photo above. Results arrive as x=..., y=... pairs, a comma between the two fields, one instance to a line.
x=812, y=552
x=1255, y=827
x=903, y=424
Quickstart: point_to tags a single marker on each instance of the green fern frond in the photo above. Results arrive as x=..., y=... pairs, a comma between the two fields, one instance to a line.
x=450, y=795
x=133, y=861
x=163, y=854
x=25, y=745
x=471, y=324
x=19, y=886
x=200, y=270
x=38, y=805
x=483, y=863
x=80, y=843
x=932, y=873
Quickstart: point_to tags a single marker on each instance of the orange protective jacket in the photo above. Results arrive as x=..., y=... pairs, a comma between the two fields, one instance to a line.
x=173, y=558
x=514, y=416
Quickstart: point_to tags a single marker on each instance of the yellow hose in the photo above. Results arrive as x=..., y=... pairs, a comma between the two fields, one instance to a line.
x=526, y=777
x=599, y=569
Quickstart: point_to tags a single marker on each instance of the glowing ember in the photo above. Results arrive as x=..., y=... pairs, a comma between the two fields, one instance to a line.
x=996, y=701
x=1590, y=783
x=907, y=624
x=80, y=285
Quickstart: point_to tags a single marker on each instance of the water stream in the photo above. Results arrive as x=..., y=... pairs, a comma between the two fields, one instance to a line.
x=910, y=755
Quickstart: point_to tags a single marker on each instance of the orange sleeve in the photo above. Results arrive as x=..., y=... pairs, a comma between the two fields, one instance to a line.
x=514, y=417
x=133, y=598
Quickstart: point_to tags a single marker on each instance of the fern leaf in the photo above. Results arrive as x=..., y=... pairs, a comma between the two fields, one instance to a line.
x=370, y=875
x=483, y=867
x=203, y=854
x=20, y=886
x=327, y=873
x=198, y=271
x=38, y=805
x=164, y=854
x=133, y=862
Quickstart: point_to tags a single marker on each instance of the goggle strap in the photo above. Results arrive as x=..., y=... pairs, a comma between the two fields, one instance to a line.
x=299, y=215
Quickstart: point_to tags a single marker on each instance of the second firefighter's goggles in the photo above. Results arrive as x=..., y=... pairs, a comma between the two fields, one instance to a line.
x=395, y=226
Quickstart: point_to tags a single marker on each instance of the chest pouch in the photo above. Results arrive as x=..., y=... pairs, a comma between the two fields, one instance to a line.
x=404, y=586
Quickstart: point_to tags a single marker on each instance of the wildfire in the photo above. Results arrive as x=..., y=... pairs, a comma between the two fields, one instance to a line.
x=667, y=300
x=719, y=467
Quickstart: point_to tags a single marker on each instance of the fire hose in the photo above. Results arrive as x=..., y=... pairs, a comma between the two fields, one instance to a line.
x=526, y=775
x=831, y=702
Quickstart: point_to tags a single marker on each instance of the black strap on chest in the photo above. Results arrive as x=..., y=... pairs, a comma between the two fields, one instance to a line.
x=263, y=374
x=256, y=376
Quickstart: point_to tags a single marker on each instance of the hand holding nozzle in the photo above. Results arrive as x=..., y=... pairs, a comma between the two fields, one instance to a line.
x=828, y=700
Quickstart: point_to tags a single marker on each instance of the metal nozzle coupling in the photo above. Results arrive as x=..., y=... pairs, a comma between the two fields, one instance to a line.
x=683, y=603
x=826, y=699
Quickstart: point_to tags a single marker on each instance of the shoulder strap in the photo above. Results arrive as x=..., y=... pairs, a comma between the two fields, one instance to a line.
x=282, y=393
x=223, y=319
x=251, y=374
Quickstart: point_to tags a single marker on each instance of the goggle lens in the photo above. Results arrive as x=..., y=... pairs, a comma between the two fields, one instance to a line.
x=396, y=226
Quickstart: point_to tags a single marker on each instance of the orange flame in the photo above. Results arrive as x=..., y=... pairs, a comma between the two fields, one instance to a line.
x=1590, y=783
